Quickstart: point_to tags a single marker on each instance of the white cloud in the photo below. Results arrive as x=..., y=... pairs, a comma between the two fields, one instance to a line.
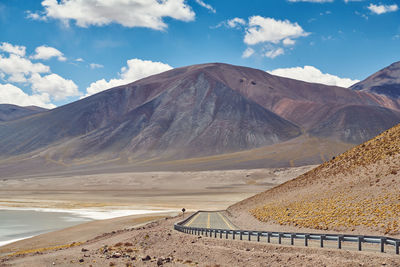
x=79, y=60
x=312, y=1
x=129, y=13
x=18, y=68
x=10, y=94
x=288, y=41
x=95, y=66
x=13, y=49
x=47, y=52
x=209, y=7
x=382, y=9
x=263, y=30
x=248, y=52
x=236, y=22
x=135, y=70
x=54, y=85
x=273, y=53
x=313, y=75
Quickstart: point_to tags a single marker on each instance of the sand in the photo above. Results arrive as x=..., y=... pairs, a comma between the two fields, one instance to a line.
x=210, y=190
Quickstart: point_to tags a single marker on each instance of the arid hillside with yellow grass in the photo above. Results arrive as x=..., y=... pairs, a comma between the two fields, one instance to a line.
x=358, y=191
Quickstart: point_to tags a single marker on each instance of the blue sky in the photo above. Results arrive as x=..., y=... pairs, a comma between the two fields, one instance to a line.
x=54, y=52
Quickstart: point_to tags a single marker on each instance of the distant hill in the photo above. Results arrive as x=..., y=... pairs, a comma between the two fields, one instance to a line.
x=357, y=191
x=385, y=82
x=10, y=112
x=205, y=112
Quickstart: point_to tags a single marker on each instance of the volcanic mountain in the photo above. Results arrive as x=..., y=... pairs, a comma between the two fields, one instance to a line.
x=12, y=112
x=212, y=112
x=357, y=191
x=384, y=82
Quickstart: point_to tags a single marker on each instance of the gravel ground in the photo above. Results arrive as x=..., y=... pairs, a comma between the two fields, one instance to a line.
x=157, y=244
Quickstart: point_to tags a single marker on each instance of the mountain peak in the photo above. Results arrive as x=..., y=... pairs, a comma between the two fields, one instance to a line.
x=384, y=82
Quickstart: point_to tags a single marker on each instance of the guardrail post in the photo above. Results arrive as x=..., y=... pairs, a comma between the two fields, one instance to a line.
x=220, y=234
x=269, y=237
x=202, y=231
x=280, y=238
x=226, y=234
x=383, y=242
x=360, y=240
x=207, y=232
x=233, y=235
x=215, y=233
x=249, y=235
x=397, y=244
x=241, y=235
x=306, y=237
x=258, y=236
x=292, y=239
x=340, y=238
x=322, y=240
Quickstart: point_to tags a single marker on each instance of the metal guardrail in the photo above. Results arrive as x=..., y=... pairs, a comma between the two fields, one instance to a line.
x=382, y=240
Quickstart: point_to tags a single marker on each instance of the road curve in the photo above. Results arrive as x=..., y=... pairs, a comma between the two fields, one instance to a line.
x=210, y=219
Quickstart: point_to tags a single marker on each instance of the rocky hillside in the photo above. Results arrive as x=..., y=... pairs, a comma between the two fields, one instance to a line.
x=384, y=82
x=12, y=112
x=356, y=191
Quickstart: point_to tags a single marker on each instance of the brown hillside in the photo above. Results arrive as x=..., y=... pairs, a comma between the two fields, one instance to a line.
x=357, y=191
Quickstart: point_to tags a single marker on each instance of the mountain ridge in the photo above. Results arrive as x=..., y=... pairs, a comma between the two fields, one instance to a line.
x=197, y=111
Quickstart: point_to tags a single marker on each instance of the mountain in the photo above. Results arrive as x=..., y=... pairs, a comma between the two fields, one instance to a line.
x=384, y=82
x=212, y=113
x=357, y=191
x=12, y=112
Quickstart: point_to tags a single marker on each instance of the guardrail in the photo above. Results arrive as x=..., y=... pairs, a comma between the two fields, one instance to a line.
x=382, y=240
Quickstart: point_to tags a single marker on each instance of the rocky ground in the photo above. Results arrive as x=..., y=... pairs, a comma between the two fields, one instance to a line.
x=157, y=244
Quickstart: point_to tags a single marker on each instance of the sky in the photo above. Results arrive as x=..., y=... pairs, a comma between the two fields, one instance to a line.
x=55, y=52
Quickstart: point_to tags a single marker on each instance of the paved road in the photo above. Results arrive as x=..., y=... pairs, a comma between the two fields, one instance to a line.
x=211, y=220
x=216, y=220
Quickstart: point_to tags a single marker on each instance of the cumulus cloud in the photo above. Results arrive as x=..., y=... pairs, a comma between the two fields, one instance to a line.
x=263, y=30
x=382, y=9
x=18, y=68
x=10, y=94
x=54, y=85
x=136, y=69
x=273, y=53
x=15, y=67
x=313, y=75
x=209, y=7
x=129, y=13
x=47, y=52
x=95, y=66
x=248, y=52
x=13, y=49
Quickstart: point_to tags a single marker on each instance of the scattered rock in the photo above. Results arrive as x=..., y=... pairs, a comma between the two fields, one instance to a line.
x=116, y=255
x=84, y=250
x=160, y=262
x=147, y=258
x=81, y=260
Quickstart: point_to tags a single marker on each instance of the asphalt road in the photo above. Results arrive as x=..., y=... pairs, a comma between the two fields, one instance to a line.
x=216, y=220
x=211, y=220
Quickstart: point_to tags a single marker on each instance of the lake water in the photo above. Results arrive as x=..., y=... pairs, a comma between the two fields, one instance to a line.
x=17, y=224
